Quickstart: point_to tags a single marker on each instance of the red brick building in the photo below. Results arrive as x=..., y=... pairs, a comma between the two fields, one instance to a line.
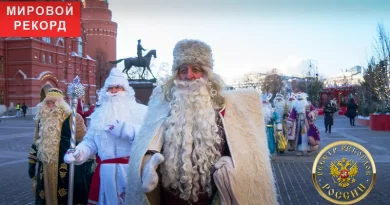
x=30, y=66
x=101, y=35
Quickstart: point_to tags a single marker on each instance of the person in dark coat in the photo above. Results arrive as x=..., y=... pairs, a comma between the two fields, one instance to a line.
x=351, y=111
x=329, y=110
x=24, y=109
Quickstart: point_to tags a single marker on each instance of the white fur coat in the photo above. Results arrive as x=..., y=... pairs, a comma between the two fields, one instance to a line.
x=245, y=133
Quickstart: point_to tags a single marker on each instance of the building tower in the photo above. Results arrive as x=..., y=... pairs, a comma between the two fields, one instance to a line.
x=313, y=70
x=101, y=35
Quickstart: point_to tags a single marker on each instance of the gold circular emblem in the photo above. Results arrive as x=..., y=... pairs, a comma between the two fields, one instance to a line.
x=344, y=172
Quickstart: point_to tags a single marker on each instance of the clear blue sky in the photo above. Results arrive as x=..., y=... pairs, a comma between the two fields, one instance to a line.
x=256, y=35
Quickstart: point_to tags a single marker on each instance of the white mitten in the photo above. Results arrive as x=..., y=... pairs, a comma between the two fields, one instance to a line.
x=71, y=156
x=224, y=161
x=149, y=174
x=224, y=167
x=120, y=130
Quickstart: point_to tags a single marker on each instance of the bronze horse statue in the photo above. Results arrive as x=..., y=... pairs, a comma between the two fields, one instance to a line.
x=130, y=62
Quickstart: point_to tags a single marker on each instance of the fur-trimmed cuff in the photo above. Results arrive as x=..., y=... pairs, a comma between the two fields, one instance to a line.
x=279, y=127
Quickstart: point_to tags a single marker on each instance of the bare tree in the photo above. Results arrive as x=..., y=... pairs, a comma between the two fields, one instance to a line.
x=272, y=83
x=136, y=73
x=102, y=68
x=382, y=43
x=381, y=68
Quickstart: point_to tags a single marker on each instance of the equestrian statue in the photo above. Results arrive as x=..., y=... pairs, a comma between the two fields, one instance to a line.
x=139, y=61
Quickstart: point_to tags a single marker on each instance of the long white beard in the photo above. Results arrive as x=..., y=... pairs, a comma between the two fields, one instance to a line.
x=290, y=105
x=50, y=123
x=190, y=137
x=267, y=112
x=300, y=106
x=113, y=107
x=279, y=108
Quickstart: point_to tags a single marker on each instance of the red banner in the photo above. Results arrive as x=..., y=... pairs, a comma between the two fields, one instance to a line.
x=40, y=19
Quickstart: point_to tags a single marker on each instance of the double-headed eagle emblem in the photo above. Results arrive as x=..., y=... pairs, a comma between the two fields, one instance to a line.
x=344, y=176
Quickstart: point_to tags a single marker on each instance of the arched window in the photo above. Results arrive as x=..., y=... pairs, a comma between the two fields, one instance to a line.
x=80, y=47
x=60, y=41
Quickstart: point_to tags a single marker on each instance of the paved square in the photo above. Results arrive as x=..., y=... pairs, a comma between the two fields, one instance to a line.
x=293, y=174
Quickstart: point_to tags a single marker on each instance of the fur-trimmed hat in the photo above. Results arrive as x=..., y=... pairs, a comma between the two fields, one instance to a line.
x=266, y=97
x=189, y=51
x=291, y=97
x=278, y=95
x=116, y=78
x=54, y=94
x=301, y=96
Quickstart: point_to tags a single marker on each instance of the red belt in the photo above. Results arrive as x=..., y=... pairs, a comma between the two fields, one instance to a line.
x=95, y=185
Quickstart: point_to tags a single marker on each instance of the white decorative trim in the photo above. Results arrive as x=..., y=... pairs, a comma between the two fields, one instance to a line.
x=42, y=74
x=25, y=76
x=21, y=72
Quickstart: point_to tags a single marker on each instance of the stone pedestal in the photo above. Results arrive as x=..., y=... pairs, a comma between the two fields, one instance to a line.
x=143, y=90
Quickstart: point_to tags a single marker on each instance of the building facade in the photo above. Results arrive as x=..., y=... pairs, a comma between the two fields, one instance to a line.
x=30, y=66
x=101, y=33
x=348, y=77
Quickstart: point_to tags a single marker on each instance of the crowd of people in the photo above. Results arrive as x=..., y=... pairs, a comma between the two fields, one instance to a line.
x=290, y=124
x=195, y=143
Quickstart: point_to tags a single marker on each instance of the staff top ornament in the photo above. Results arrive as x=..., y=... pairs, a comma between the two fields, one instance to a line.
x=76, y=89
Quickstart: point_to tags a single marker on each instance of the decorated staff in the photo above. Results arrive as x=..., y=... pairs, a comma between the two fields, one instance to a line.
x=75, y=91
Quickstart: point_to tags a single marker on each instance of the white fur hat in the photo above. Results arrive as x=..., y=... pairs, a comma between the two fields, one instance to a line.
x=266, y=97
x=189, y=51
x=301, y=95
x=291, y=97
x=278, y=95
x=115, y=78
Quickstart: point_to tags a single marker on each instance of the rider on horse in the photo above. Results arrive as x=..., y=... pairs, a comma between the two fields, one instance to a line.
x=139, y=52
